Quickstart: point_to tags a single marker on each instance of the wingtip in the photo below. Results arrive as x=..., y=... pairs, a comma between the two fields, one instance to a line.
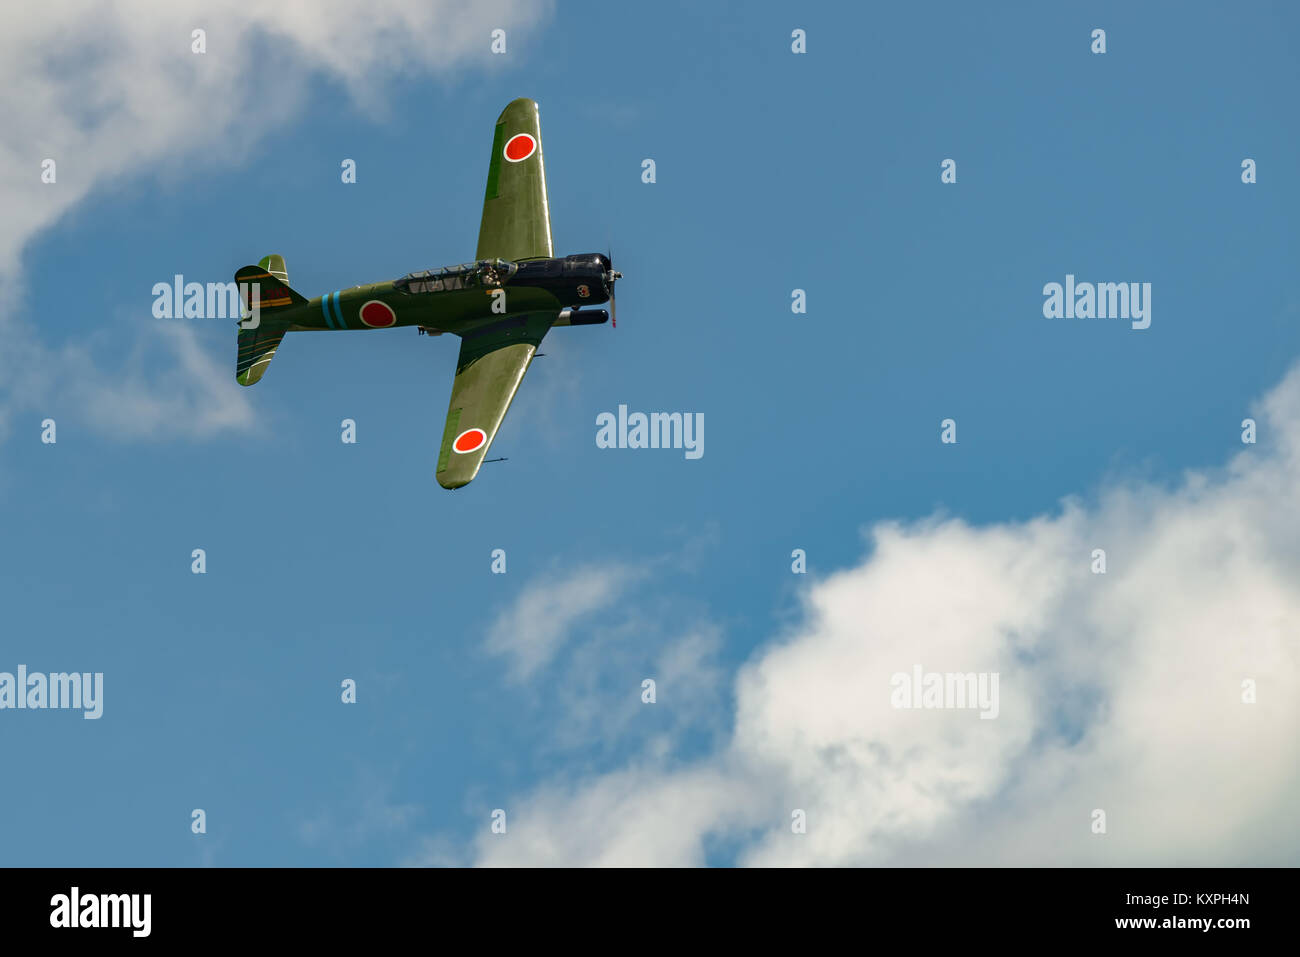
x=450, y=483
x=518, y=101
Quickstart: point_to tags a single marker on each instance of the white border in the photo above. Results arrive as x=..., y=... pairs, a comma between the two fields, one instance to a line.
x=504, y=150
x=465, y=433
x=391, y=311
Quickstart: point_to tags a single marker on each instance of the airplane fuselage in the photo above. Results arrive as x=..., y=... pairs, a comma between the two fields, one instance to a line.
x=459, y=299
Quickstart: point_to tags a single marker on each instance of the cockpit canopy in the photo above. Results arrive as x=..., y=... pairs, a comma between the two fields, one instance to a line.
x=485, y=272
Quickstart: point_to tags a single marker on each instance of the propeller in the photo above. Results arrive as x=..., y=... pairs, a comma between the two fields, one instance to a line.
x=612, y=277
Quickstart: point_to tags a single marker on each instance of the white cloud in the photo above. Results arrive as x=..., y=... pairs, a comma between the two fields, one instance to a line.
x=629, y=817
x=1119, y=691
x=169, y=386
x=585, y=629
x=534, y=628
x=113, y=91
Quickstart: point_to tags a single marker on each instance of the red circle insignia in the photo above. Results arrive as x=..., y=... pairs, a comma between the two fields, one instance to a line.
x=378, y=314
x=469, y=440
x=520, y=147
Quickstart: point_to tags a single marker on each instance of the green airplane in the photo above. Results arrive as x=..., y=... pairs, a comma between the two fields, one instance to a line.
x=501, y=305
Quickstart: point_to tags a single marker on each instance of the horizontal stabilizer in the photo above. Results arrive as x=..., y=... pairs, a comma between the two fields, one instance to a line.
x=256, y=350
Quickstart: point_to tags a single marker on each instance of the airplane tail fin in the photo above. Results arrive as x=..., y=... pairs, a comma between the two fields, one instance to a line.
x=257, y=345
x=272, y=282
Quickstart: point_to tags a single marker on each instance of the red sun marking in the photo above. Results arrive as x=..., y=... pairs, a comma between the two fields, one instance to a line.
x=520, y=147
x=378, y=314
x=469, y=440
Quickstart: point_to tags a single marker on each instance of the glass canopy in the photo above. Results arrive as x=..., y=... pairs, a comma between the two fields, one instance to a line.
x=485, y=272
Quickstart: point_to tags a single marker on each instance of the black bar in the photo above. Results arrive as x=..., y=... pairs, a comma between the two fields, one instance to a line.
x=911, y=907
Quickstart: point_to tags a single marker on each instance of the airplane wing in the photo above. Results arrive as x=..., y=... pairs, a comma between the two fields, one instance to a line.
x=516, y=219
x=493, y=359
x=495, y=354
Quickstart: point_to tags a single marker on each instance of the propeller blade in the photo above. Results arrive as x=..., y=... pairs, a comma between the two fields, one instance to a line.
x=614, y=278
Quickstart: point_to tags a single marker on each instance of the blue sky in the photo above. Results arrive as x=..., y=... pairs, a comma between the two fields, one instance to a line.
x=775, y=171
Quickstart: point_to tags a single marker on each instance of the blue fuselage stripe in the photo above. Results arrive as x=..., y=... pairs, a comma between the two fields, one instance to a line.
x=325, y=311
x=338, y=313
